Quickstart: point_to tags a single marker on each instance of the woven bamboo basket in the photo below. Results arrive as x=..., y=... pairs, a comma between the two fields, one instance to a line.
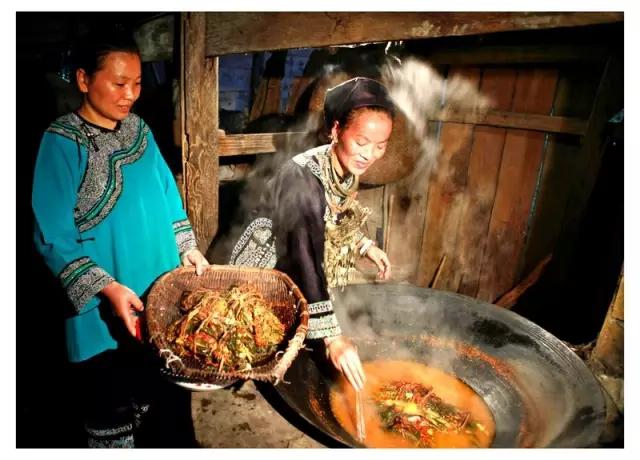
x=283, y=297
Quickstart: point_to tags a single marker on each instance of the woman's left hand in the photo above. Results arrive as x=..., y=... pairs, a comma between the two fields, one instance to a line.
x=194, y=257
x=381, y=260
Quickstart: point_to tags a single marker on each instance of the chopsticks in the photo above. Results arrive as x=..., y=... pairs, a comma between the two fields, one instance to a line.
x=360, y=427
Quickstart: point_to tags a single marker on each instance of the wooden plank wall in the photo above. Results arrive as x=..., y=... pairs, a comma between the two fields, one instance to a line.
x=437, y=265
x=521, y=162
x=484, y=166
x=480, y=197
x=577, y=85
x=573, y=174
x=405, y=204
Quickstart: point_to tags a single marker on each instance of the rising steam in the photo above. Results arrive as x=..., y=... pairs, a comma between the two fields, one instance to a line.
x=422, y=94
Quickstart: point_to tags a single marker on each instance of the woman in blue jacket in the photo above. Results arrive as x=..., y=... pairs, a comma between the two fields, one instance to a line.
x=108, y=221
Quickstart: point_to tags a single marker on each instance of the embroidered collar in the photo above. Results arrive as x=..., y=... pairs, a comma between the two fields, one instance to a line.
x=98, y=127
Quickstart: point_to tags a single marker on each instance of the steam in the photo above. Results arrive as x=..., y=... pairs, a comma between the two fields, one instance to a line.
x=389, y=325
x=422, y=94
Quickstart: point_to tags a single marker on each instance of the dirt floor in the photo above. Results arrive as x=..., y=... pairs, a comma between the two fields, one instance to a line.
x=250, y=414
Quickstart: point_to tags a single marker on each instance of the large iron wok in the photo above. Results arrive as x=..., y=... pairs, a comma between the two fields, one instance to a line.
x=540, y=393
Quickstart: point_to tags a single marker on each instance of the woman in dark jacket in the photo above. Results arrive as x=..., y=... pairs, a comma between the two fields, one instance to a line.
x=311, y=227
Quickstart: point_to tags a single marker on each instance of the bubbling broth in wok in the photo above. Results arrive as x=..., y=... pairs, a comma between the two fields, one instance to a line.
x=407, y=404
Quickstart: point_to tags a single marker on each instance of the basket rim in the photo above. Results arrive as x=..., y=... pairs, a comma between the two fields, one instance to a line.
x=272, y=370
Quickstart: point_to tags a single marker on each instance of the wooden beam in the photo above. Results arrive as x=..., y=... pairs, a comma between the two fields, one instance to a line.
x=524, y=54
x=200, y=160
x=240, y=32
x=528, y=121
x=245, y=144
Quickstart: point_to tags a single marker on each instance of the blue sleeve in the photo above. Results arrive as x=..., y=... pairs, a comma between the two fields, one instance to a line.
x=57, y=176
x=185, y=238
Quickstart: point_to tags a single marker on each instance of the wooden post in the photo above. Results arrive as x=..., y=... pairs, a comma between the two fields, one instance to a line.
x=607, y=363
x=608, y=353
x=199, y=129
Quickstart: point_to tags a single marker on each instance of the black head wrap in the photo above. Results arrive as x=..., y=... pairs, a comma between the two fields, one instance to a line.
x=354, y=94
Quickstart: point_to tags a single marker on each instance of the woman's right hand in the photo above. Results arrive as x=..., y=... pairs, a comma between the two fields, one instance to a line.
x=379, y=257
x=124, y=303
x=344, y=356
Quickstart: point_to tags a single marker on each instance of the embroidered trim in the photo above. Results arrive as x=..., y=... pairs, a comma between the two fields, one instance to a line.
x=66, y=127
x=121, y=436
x=306, y=159
x=326, y=326
x=185, y=238
x=104, y=432
x=366, y=246
x=107, y=153
x=320, y=307
x=323, y=333
x=83, y=279
x=256, y=246
x=102, y=184
x=310, y=159
x=126, y=442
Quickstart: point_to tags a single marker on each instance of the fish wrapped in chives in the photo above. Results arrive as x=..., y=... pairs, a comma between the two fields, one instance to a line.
x=230, y=330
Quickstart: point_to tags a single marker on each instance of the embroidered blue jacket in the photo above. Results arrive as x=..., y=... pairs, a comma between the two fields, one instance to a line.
x=106, y=208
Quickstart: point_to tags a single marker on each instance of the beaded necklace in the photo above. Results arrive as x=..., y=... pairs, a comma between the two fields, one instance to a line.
x=340, y=195
x=341, y=237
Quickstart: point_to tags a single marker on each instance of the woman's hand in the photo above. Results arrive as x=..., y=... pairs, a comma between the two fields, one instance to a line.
x=344, y=356
x=124, y=303
x=381, y=260
x=194, y=257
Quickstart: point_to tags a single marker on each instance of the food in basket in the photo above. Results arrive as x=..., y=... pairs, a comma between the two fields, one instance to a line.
x=229, y=330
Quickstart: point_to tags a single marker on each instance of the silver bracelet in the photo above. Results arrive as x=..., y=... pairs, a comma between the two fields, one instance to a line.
x=365, y=247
